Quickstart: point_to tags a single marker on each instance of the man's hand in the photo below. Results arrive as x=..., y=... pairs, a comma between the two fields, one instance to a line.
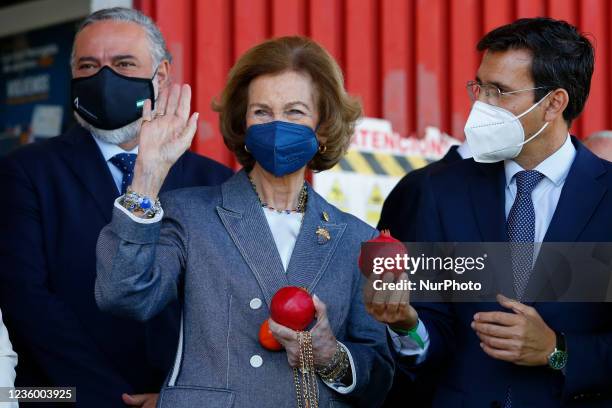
x=390, y=306
x=521, y=337
x=323, y=339
x=140, y=400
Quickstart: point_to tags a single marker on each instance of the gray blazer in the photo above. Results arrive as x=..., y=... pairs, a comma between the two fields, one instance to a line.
x=214, y=251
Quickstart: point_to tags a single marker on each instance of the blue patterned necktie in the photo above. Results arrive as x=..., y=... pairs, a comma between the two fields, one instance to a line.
x=520, y=229
x=125, y=162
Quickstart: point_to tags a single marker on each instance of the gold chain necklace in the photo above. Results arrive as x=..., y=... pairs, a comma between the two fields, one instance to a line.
x=306, y=387
x=301, y=205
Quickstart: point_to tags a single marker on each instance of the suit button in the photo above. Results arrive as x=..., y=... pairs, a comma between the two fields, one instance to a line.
x=256, y=361
x=255, y=303
x=496, y=404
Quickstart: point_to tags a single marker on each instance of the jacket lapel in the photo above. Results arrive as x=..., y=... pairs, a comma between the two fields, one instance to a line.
x=315, y=245
x=579, y=198
x=487, y=195
x=452, y=155
x=488, y=203
x=246, y=224
x=85, y=160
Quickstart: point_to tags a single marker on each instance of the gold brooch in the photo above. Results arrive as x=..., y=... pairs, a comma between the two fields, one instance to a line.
x=323, y=235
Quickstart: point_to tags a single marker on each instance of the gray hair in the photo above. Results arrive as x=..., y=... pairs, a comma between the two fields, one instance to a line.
x=159, y=50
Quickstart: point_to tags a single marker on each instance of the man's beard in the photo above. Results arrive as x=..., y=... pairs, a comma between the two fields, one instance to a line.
x=119, y=136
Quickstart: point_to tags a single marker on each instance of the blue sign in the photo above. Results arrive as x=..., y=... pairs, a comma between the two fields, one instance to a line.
x=35, y=85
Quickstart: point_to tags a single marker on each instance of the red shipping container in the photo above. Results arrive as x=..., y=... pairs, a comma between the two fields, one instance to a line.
x=408, y=60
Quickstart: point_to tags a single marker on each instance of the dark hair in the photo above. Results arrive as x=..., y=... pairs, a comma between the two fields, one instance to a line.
x=562, y=57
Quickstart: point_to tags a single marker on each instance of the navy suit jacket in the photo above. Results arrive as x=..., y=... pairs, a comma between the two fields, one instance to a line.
x=464, y=202
x=57, y=196
x=399, y=215
x=399, y=212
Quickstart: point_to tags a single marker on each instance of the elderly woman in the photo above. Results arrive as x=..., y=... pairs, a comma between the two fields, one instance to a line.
x=225, y=251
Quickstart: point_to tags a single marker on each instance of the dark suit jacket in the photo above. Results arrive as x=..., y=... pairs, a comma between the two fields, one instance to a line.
x=57, y=196
x=399, y=211
x=399, y=215
x=465, y=203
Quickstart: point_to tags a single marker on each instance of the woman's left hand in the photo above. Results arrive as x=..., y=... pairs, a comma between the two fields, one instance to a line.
x=323, y=339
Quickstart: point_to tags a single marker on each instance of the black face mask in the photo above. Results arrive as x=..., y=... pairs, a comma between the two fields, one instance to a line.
x=108, y=100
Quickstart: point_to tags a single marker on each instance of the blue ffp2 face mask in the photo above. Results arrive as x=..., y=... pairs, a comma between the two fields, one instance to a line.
x=281, y=147
x=108, y=100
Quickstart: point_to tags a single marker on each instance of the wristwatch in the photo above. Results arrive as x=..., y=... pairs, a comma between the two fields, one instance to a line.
x=558, y=358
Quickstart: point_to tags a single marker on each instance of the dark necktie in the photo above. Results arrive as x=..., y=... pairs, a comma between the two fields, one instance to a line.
x=125, y=162
x=520, y=229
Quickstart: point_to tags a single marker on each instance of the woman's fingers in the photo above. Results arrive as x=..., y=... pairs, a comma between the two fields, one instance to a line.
x=288, y=338
x=190, y=130
x=320, y=308
x=173, y=100
x=282, y=333
x=147, y=115
x=184, y=103
x=162, y=101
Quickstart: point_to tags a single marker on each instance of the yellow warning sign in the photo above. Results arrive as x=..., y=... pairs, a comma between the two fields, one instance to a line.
x=374, y=205
x=384, y=164
x=336, y=196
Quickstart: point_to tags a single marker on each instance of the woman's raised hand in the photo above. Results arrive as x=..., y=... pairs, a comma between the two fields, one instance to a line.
x=165, y=134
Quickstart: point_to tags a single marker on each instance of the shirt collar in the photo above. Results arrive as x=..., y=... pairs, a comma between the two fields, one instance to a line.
x=464, y=150
x=555, y=168
x=109, y=149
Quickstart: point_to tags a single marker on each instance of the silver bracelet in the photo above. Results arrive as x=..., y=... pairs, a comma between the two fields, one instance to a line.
x=132, y=201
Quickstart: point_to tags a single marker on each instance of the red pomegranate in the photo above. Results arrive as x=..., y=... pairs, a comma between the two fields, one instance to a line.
x=292, y=307
x=266, y=339
x=383, y=246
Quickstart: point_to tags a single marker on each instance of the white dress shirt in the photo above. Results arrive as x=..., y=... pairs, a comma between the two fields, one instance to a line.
x=108, y=151
x=8, y=362
x=545, y=196
x=464, y=151
x=285, y=229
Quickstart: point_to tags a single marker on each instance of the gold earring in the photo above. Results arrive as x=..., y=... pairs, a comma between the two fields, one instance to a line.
x=322, y=149
x=246, y=149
